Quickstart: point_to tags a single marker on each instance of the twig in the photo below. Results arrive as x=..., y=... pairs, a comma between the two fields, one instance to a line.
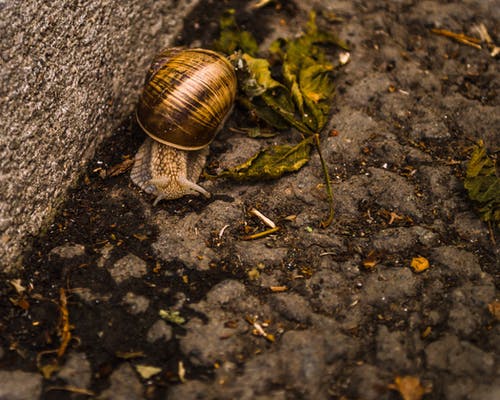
x=263, y=218
x=261, y=234
x=459, y=37
x=72, y=389
x=492, y=234
x=64, y=324
x=221, y=232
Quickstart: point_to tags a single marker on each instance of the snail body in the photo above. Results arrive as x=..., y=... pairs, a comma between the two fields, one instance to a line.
x=187, y=97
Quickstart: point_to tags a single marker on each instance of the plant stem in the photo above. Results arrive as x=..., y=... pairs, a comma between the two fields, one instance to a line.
x=329, y=191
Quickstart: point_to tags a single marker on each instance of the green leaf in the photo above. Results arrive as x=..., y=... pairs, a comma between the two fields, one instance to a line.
x=265, y=113
x=172, y=316
x=483, y=184
x=316, y=83
x=272, y=162
x=309, y=76
x=260, y=76
x=232, y=38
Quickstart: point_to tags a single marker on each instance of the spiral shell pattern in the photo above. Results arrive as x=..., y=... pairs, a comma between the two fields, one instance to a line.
x=187, y=96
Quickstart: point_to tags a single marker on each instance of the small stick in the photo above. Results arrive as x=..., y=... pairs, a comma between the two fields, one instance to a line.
x=459, y=37
x=72, y=389
x=263, y=218
x=260, y=234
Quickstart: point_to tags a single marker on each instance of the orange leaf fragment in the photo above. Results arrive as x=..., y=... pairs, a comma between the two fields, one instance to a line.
x=372, y=259
x=494, y=309
x=409, y=387
x=140, y=236
x=427, y=331
x=278, y=288
x=419, y=264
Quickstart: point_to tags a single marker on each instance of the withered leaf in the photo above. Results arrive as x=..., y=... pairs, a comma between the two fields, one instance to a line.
x=483, y=184
x=232, y=38
x=147, y=371
x=409, y=387
x=272, y=162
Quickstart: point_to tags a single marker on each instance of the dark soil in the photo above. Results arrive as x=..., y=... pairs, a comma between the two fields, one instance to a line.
x=409, y=106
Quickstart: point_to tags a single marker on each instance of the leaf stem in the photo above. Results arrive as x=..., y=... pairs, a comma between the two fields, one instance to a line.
x=329, y=191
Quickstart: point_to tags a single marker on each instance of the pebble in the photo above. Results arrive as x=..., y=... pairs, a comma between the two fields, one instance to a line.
x=253, y=253
x=391, y=350
x=127, y=267
x=403, y=201
x=159, y=330
x=389, y=285
x=68, y=251
x=19, y=385
x=76, y=371
x=124, y=385
x=457, y=262
x=292, y=306
x=136, y=304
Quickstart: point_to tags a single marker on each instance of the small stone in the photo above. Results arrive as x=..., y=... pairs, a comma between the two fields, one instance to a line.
x=19, y=385
x=391, y=350
x=127, y=267
x=469, y=227
x=225, y=292
x=194, y=390
x=393, y=192
x=124, y=385
x=395, y=239
x=458, y=262
x=255, y=252
x=303, y=359
x=460, y=358
x=202, y=342
x=389, y=285
x=159, y=330
x=429, y=127
x=136, y=304
x=87, y=295
x=292, y=306
x=76, y=371
x=68, y=251
x=365, y=382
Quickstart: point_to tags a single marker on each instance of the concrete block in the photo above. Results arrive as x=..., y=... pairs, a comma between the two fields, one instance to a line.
x=70, y=72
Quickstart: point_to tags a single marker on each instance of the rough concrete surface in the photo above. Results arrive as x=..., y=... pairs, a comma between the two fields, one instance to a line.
x=169, y=301
x=70, y=74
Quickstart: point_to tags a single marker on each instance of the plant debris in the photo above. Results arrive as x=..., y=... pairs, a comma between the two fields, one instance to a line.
x=419, y=264
x=459, y=37
x=271, y=163
x=64, y=332
x=478, y=43
x=261, y=234
x=483, y=184
x=147, y=371
x=172, y=316
x=409, y=387
x=232, y=38
x=270, y=223
x=299, y=96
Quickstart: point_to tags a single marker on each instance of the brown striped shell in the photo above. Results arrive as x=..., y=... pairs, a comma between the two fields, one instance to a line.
x=186, y=98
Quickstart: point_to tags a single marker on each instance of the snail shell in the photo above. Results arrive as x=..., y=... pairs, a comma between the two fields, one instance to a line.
x=187, y=96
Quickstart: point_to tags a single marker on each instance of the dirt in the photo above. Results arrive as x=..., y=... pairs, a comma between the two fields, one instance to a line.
x=341, y=313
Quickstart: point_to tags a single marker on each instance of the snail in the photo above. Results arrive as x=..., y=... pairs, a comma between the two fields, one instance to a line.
x=187, y=96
